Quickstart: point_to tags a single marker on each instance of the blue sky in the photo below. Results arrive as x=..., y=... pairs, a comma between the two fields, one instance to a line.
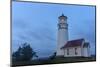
x=36, y=23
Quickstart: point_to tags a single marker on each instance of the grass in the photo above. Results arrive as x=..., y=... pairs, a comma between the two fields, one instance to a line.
x=56, y=60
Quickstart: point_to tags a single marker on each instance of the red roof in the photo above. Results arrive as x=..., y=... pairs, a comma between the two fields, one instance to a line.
x=73, y=43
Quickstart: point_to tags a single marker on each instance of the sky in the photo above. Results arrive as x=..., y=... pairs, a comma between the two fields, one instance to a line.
x=36, y=24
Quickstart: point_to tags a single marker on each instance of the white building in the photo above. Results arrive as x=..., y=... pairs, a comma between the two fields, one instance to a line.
x=68, y=48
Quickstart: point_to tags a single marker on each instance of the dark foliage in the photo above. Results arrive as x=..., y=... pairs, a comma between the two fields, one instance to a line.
x=24, y=53
x=53, y=56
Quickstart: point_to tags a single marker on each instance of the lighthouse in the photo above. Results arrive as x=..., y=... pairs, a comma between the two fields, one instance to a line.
x=62, y=35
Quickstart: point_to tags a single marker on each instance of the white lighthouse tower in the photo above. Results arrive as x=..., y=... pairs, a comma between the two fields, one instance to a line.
x=62, y=37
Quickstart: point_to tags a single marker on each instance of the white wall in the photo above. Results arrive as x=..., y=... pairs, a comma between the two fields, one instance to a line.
x=72, y=52
x=80, y=52
x=86, y=52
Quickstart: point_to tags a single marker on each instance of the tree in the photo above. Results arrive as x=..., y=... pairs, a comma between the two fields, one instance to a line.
x=17, y=55
x=24, y=53
x=53, y=56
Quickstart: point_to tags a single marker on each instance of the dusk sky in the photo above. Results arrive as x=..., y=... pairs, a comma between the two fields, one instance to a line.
x=36, y=23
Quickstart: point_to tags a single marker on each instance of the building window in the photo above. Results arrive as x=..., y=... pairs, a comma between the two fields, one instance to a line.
x=75, y=51
x=67, y=51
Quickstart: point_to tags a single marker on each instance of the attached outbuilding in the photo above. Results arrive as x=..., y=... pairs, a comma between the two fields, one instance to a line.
x=76, y=48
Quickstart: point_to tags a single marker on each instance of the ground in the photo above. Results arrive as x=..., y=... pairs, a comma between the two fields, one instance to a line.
x=56, y=60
